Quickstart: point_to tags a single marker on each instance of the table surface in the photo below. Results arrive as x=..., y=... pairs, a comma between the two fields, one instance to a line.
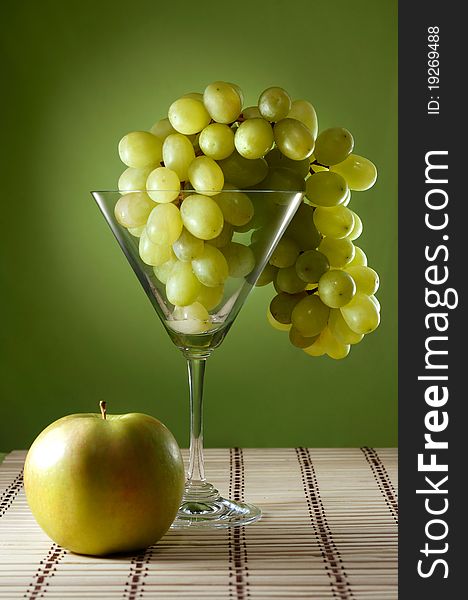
x=329, y=530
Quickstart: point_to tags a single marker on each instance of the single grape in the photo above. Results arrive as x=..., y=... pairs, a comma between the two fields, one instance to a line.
x=340, y=330
x=326, y=189
x=293, y=139
x=253, y=138
x=210, y=297
x=162, y=129
x=224, y=237
x=276, y=159
x=333, y=347
x=195, y=315
x=140, y=150
x=195, y=312
x=357, y=228
x=336, y=288
x=133, y=210
x=337, y=221
x=302, y=228
x=202, y=216
x=206, y=175
x=153, y=254
x=243, y=172
x=188, y=115
x=222, y=101
x=164, y=224
x=237, y=207
x=163, y=271
x=251, y=112
x=240, y=259
x=182, y=287
x=217, y=141
x=163, y=185
x=288, y=281
x=359, y=172
x=366, y=279
x=133, y=180
x=339, y=252
x=136, y=231
x=310, y=316
x=267, y=275
x=282, y=306
x=361, y=314
x=188, y=319
x=303, y=111
x=360, y=258
x=274, y=104
x=187, y=247
x=311, y=265
x=285, y=253
x=178, y=153
x=333, y=145
x=211, y=267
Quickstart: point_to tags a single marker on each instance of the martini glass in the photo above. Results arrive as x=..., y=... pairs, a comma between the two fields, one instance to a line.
x=202, y=505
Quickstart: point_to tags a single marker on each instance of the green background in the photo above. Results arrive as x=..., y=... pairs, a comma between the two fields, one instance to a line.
x=76, y=327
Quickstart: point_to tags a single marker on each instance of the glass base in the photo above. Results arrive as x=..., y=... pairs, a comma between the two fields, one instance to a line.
x=202, y=506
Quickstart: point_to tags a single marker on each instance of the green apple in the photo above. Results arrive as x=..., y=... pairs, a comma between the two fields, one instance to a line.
x=100, y=484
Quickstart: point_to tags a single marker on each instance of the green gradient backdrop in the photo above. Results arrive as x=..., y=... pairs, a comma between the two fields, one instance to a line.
x=76, y=327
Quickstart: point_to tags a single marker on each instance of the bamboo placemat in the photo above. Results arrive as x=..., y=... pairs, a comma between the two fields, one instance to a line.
x=329, y=530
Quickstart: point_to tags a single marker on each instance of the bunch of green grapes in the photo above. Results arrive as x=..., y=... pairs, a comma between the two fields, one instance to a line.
x=325, y=289
x=181, y=197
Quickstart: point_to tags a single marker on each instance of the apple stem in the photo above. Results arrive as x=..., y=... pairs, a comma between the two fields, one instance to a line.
x=102, y=406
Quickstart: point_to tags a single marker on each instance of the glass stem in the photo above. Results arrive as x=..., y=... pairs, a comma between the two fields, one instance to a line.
x=196, y=373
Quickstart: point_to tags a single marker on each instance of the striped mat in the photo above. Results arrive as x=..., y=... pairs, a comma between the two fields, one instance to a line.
x=329, y=530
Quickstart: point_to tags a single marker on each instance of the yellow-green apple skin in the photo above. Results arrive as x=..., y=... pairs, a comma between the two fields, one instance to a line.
x=99, y=486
